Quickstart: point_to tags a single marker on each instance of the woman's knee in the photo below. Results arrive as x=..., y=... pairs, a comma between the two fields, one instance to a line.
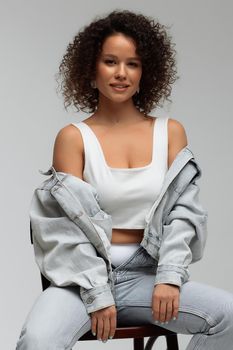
x=57, y=319
x=40, y=337
x=212, y=304
x=224, y=313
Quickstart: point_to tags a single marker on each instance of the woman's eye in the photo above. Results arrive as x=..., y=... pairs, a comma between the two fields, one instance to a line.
x=134, y=64
x=109, y=61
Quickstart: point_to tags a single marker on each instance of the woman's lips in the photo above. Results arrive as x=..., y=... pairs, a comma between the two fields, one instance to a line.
x=119, y=87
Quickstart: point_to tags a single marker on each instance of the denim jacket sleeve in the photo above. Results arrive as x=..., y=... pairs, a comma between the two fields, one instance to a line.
x=64, y=254
x=184, y=236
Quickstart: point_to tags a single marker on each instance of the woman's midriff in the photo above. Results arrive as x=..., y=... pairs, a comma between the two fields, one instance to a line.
x=127, y=235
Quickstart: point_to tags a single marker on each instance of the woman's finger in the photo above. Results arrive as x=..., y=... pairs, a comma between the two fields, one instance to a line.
x=169, y=310
x=156, y=308
x=162, y=311
x=113, y=324
x=175, y=307
x=106, y=329
x=93, y=325
x=100, y=327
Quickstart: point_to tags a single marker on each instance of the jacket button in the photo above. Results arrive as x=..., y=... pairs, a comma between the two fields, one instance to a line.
x=79, y=214
x=89, y=300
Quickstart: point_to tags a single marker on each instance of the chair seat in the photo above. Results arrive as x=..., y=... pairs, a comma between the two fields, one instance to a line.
x=134, y=332
x=138, y=333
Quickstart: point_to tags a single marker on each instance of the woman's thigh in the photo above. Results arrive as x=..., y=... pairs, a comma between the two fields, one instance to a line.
x=201, y=307
x=57, y=320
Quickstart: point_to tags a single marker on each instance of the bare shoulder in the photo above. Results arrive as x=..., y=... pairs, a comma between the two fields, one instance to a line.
x=177, y=138
x=68, y=151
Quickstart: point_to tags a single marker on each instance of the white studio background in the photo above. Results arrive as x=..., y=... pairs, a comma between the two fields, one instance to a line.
x=34, y=36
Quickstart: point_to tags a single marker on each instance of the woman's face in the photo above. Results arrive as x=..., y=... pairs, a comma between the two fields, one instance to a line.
x=118, y=68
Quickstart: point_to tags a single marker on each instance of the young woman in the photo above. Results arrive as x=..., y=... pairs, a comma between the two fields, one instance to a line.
x=123, y=164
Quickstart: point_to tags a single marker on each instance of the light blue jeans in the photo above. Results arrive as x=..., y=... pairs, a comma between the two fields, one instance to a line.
x=58, y=317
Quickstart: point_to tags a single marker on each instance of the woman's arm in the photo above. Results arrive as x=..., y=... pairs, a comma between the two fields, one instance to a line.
x=68, y=157
x=177, y=139
x=165, y=298
x=63, y=251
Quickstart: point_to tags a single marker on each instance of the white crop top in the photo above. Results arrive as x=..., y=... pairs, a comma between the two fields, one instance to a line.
x=127, y=194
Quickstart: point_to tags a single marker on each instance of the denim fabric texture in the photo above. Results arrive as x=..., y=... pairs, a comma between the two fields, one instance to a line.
x=72, y=234
x=59, y=318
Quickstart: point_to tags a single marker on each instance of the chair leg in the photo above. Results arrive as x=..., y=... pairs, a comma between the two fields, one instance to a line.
x=138, y=344
x=172, y=342
x=150, y=343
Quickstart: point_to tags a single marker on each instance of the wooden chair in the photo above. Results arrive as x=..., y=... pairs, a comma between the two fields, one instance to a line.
x=138, y=333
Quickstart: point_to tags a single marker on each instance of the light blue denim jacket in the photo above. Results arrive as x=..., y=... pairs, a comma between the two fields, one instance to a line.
x=72, y=234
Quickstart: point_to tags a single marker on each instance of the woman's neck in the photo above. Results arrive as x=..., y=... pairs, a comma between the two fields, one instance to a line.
x=118, y=113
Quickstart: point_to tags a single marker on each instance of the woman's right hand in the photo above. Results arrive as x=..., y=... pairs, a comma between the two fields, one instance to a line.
x=103, y=323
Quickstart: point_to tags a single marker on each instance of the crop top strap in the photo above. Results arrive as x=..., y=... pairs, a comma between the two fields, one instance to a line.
x=91, y=149
x=161, y=143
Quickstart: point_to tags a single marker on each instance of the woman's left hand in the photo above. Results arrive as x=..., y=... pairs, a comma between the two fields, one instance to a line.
x=165, y=302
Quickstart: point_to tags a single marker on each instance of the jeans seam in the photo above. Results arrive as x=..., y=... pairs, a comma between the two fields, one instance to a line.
x=67, y=347
x=198, y=342
x=192, y=310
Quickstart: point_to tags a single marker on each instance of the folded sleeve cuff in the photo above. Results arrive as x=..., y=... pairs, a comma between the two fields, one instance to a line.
x=97, y=298
x=171, y=274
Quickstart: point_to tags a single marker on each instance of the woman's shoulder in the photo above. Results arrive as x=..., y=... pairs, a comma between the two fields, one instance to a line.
x=175, y=127
x=177, y=138
x=68, y=151
x=176, y=131
x=69, y=135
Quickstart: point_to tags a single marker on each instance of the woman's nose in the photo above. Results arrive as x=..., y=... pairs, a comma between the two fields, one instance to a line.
x=120, y=72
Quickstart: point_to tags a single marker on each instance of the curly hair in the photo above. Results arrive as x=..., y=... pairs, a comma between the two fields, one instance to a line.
x=153, y=44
